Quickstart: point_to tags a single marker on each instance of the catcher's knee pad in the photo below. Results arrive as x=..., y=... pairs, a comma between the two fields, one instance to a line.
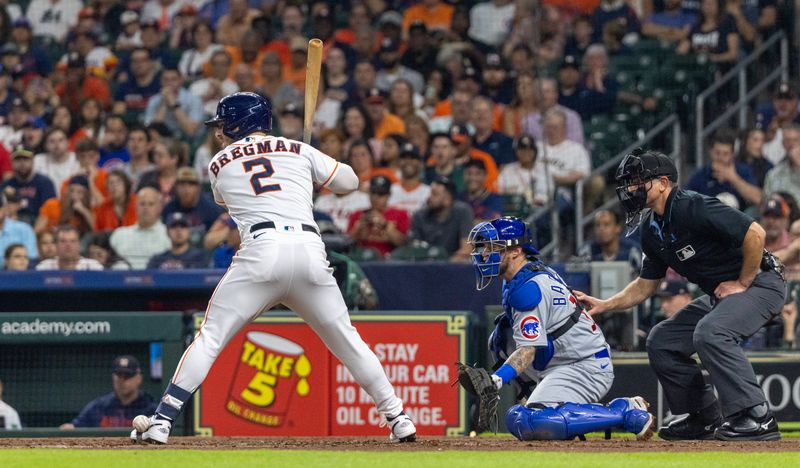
x=562, y=423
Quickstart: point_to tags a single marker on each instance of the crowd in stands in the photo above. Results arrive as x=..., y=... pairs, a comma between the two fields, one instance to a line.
x=449, y=112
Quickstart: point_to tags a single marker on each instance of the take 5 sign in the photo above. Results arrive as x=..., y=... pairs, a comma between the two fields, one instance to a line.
x=276, y=377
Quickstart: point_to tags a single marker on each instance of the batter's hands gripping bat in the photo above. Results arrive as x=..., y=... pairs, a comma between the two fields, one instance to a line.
x=313, y=66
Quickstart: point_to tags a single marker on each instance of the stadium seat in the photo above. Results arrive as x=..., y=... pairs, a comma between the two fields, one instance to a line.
x=364, y=254
x=417, y=252
x=515, y=204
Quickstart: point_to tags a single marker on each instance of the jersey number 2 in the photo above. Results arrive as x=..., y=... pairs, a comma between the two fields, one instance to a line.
x=257, y=179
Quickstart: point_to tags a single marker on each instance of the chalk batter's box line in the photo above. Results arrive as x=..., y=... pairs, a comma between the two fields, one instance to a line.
x=456, y=326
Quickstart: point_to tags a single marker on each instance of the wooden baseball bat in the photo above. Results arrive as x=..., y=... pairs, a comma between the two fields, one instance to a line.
x=313, y=66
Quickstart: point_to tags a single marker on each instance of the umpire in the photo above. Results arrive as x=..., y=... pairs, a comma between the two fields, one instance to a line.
x=722, y=251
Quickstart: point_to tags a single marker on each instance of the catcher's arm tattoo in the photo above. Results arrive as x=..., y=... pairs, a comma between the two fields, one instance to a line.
x=522, y=358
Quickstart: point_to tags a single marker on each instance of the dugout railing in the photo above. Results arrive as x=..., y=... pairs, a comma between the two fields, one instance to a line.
x=668, y=129
x=721, y=90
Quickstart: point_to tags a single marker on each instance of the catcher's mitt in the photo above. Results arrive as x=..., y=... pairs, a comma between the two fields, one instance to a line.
x=476, y=381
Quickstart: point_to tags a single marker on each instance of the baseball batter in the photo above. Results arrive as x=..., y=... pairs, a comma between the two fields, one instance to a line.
x=544, y=337
x=266, y=184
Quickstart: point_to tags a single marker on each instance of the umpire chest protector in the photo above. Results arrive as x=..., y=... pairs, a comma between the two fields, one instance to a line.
x=697, y=236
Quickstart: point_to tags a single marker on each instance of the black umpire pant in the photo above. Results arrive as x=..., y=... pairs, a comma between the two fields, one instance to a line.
x=714, y=329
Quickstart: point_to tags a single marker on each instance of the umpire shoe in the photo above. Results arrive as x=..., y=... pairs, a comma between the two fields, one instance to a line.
x=756, y=423
x=157, y=433
x=696, y=426
x=402, y=429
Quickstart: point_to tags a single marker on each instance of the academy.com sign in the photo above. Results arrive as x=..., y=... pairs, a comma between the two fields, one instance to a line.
x=63, y=328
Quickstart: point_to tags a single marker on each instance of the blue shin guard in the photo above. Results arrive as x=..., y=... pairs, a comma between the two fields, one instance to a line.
x=563, y=422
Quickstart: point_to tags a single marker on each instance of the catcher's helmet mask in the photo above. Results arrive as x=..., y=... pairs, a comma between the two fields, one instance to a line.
x=240, y=114
x=490, y=239
x=635, y=176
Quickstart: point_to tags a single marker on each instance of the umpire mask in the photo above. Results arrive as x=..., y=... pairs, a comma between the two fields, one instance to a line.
x=635, y=176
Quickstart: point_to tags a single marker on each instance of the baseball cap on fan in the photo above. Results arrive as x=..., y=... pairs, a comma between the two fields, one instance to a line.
x=570, y=61
x=375, y=96
x=126, y=366
x=187, y=174
x=129, y=16
x=673, y=287
x=380, y=185
x=177, y=219
x=786, y=91
x=459, y=133
x=292, y=109
x=494, y=61
x=21, y=152
x=408, y=150
x=775, y=207
x=525, y=142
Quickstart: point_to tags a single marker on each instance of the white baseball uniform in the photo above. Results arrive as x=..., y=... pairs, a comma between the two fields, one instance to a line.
x=263, y=178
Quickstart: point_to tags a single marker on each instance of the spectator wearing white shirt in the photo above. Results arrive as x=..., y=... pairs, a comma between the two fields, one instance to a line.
x=193, y=60
x=548, y=99
x=568, y=162
x=53, y=18
x=57, y=162
x=491, y=22
x=148, y=237
x=68, y=253
x=527, y=176
x=176, y=107
x=410, y=193
x=130, y=37
x=341, y=206
x=391, y=68
x=8, y=415
x=11, y=131
x=216, y=86
x=162, y=11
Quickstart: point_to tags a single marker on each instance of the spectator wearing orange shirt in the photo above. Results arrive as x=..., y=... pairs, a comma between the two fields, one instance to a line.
x=73, y=208
x=462, y=137
x=383, y=122
x=263, y=25
x=88, y=154
x=295, y=71
x=79, y=86
x=434, y=13
x=358, y=18
x=119, y=208
x=232, y=26
x=248, y=52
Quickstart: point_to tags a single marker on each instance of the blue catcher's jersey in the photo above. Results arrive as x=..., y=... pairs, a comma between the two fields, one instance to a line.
x=538, y=302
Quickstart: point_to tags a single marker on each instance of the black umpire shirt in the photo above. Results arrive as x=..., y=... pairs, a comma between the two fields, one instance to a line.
x=698, y=236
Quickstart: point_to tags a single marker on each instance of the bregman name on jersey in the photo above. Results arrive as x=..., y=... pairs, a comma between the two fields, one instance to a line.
x=251, y=149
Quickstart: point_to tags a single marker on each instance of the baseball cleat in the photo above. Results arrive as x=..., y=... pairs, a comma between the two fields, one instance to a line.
x=157, y=433
x=402, y=429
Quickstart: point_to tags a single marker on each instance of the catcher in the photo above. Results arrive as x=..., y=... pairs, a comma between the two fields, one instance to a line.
x=544, y=338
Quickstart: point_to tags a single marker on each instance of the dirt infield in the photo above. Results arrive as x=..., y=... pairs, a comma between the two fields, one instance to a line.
x=374, y=444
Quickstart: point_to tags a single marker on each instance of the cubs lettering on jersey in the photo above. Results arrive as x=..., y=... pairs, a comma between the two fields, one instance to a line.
x=268, y=178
